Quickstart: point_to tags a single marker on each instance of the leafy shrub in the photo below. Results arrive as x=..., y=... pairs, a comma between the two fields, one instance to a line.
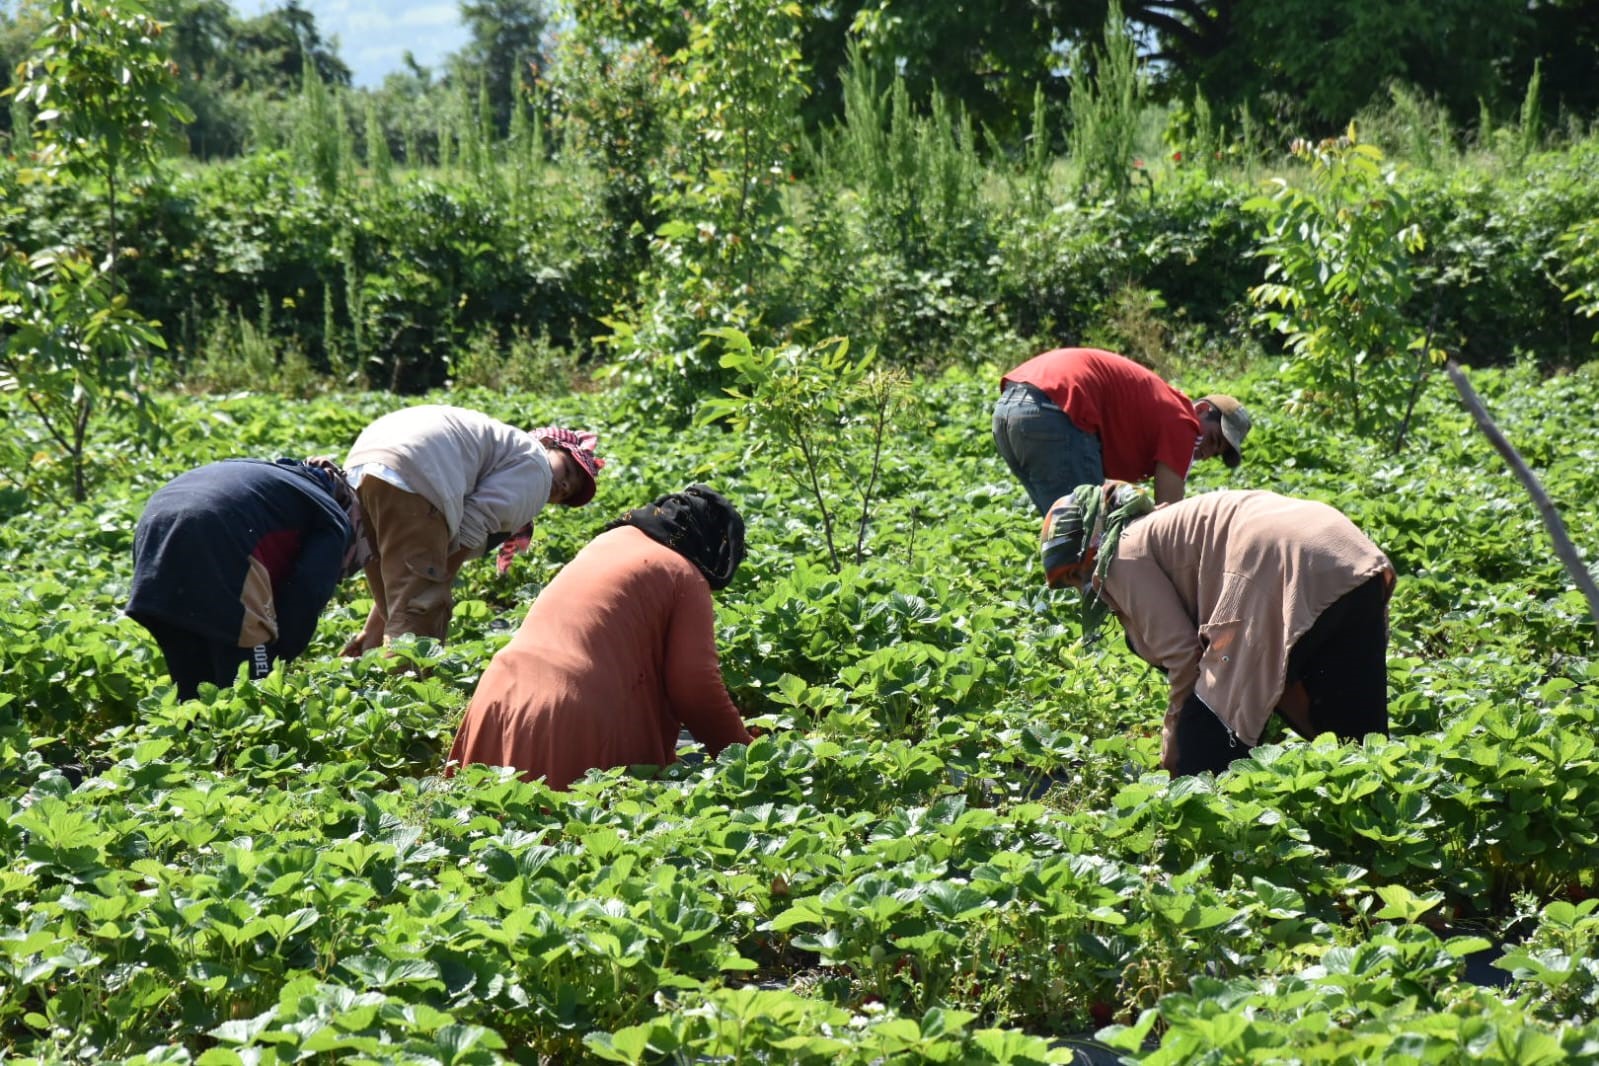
x=1337, y=285
x=1187, y=245
x=1582, y=271
x=1496, y=272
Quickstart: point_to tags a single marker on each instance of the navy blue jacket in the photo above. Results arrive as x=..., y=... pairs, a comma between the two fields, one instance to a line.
x=197, y=535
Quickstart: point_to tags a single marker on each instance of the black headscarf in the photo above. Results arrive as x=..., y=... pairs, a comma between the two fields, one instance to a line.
x=699, y=524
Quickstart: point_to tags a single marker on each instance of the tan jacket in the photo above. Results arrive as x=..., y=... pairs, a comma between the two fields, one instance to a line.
x=484, y=476
x=1217, y=588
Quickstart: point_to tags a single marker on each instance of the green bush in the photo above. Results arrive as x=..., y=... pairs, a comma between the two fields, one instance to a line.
x=893, y=231
x=1496, y=270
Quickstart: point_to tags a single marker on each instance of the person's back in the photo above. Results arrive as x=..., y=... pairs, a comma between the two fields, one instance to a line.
x=616, y=652
x=1254, y=605
x=1075, y=416
x=1252, y=537
x=444, y=454
x=596, y=631
x=234, y=561
x=1138, y=417
x=202, y=533
x=439, y=485
x=1236, y=579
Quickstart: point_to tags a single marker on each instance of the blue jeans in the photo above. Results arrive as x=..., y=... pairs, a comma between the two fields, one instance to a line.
x=1046, y=451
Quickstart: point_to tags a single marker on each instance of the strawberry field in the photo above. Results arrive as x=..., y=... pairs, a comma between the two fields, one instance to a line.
x=950, y=843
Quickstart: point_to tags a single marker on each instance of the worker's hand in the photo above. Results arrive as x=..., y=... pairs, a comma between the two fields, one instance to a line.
x=457, y=559
x=371, y=635
x=362, y=643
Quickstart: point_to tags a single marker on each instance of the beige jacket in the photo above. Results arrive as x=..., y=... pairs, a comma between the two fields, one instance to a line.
x=1217, y=588
x=484, y=476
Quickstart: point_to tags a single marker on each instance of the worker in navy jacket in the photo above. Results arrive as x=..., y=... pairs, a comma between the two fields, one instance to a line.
x=234, y=561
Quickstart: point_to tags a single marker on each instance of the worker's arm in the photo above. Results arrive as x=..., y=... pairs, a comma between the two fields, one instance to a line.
x=460, y=556
x=1168, y=484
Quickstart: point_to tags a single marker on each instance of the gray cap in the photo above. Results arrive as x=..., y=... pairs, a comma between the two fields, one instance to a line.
x=1235, y=423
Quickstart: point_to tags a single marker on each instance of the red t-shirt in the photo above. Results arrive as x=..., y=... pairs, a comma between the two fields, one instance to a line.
x=1139, y=419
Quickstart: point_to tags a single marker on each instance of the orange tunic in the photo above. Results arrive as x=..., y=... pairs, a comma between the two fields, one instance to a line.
x=616, y=654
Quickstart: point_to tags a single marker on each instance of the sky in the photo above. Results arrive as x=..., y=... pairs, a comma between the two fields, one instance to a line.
x=374, y=35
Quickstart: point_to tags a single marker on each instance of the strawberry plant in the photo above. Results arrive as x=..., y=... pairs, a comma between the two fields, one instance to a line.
x=949, y=844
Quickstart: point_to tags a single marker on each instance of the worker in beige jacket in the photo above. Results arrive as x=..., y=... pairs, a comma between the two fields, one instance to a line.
x=439, y=485
x=1251, y=602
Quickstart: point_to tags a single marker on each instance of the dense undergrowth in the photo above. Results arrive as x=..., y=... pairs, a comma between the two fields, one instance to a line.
x=949, y=845
x=261, y=277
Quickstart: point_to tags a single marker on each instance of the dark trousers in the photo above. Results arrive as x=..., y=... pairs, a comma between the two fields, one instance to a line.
x=192, y=658
x=1342, y=662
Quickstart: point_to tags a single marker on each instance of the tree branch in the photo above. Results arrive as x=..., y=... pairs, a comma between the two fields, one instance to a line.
x=1189, y=39
x=1198, y=12
x=884, y=401
x=1198, y=28
x=44, y=416
x=821, y=498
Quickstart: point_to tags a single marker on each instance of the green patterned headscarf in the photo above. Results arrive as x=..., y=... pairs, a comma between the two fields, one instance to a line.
x=1092, y=517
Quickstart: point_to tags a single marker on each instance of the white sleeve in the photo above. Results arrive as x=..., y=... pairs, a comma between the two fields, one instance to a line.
x=504, y=501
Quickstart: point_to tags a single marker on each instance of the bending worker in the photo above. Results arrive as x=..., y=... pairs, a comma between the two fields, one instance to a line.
x=1076, y=416
x=1253, y=604
x=233, y=563
x=618, y=652
x=440, y=485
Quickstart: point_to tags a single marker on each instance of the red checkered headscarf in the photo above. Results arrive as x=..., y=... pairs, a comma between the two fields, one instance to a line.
x=579, y=444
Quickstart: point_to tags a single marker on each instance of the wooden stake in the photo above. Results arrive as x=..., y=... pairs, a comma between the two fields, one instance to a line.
x=1564, y=548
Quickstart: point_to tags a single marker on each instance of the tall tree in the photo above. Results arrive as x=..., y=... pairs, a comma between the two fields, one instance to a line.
x=104, y=102
x=19, y=28
x=505, y=53
x=1562, y=38
x=1309, y=64
x=103, y=92
x=1317, y=62
x=991, y=57
x=201, y=39
x=276, y=45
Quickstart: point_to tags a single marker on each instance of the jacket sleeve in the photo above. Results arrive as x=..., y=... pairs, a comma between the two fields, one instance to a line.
x=694, y=687
x=309, y=586
x=505, y=500
x=1158, y=626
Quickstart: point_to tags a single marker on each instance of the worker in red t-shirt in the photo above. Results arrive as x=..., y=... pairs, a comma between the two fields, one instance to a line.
x=1077, y=416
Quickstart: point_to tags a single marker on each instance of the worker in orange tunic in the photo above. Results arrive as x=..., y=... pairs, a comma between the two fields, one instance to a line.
x=618, y=652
